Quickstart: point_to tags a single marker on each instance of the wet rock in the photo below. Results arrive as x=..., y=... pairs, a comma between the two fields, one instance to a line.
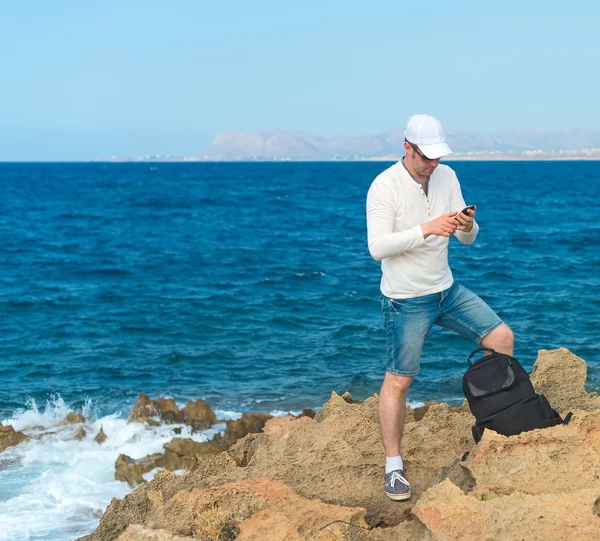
x=126, y=469
x=199, y=415
x=308, y=412
x=101, y=436
x=72, y=419
x=80, y=434
x=131, y=470
x=196, y=414
x=143, y=410
x=249, y=423
x=560, y=376
x=181, y=453
x=168, y=410
x=420, y=411
x=9, y=437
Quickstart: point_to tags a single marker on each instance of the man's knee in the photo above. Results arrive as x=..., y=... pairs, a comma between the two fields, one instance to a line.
x=396, y=384
x=501, y=339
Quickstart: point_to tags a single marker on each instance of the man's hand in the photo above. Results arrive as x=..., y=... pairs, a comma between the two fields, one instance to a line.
x=444, y=225
x=465, y=223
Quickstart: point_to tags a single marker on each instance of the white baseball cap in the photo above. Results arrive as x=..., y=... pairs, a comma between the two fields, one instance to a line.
x=427, y=133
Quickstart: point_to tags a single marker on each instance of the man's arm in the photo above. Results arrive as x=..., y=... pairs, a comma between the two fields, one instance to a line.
x=468, y=227
x=381, y=213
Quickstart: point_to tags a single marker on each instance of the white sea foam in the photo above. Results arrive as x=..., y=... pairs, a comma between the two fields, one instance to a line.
x=279, y=413
x=228, y=415
x=56, y=488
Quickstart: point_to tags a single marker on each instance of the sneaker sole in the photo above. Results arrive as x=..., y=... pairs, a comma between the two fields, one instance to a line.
x=399, y=497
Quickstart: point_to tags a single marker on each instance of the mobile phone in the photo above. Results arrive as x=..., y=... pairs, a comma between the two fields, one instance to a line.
x=470, y=207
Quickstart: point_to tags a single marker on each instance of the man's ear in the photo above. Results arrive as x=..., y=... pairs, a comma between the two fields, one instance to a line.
x=407, y=146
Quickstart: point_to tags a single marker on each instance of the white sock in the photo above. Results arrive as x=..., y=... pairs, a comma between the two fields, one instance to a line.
x=393, y=463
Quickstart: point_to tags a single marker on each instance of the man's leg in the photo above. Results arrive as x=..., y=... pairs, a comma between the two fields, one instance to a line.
x=392, y=408
x=407, y=324
x=501, y=339
x=468, y=315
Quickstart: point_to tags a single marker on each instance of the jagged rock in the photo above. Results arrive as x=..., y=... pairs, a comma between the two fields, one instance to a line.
x=184, y=447
x=199, y=415
x=249, y=423
x=307, y=412
x=260, y=508
x=135, y=532
x=9, y=437
x=148, y=411
x=127, y=470
x=73, y=418
x=451, y=515
x=143, y=410
x=80, y=434
x=196, y=414
x=561, y=375
x=542, y=484
x=168, y=410
x=101, y=436
x=336, y=405
x=347, y=397
x=560, y=459
x=131, y=470
x=181, y=453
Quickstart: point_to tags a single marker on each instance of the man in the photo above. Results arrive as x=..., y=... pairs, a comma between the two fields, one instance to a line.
x=412, y=209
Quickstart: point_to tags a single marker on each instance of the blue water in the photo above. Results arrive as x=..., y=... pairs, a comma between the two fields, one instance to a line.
x=251, y=286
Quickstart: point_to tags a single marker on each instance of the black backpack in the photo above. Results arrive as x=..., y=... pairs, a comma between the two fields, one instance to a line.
x=502, y=398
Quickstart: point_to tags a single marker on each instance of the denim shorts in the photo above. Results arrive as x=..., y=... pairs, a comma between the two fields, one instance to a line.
x=407, y=323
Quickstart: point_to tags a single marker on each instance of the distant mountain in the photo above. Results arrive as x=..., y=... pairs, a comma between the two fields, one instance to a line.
x=288, y=145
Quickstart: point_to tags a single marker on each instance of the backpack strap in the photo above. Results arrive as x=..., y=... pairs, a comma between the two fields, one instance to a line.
x=567, y=418
x=477, y=351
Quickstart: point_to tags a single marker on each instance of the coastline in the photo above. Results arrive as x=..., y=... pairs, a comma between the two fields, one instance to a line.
x=316, y=476
x=318, y=479
x=591, y=154
x=455, y=158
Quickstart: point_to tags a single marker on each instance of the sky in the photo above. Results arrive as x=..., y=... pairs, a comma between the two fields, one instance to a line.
x=84, y=80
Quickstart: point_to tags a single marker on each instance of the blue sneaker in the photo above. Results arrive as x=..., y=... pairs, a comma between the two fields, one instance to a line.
x=396, y=486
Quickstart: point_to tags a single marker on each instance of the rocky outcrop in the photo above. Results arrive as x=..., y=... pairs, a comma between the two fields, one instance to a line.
x=450, y=515
x=131, y=471
x=9, y=437
x=561, y=376
x=73, y=418
x=182, y=453
x=196, y=414
x=299, y=476
x=101, y=436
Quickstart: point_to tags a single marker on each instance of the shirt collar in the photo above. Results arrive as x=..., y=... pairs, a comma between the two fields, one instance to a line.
x=426, y=183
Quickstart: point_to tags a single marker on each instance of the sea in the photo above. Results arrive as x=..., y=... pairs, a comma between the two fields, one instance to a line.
x=250, y=286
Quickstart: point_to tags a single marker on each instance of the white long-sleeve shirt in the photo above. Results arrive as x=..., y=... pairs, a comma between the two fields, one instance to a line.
x=397, y=205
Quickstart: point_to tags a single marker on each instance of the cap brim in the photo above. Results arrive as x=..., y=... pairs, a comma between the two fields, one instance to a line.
x=433, y=152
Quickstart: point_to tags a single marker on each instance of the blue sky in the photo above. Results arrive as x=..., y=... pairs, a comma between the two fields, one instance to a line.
x=81, y=80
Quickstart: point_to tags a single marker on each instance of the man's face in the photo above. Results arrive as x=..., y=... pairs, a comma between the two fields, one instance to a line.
x=420, y=163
